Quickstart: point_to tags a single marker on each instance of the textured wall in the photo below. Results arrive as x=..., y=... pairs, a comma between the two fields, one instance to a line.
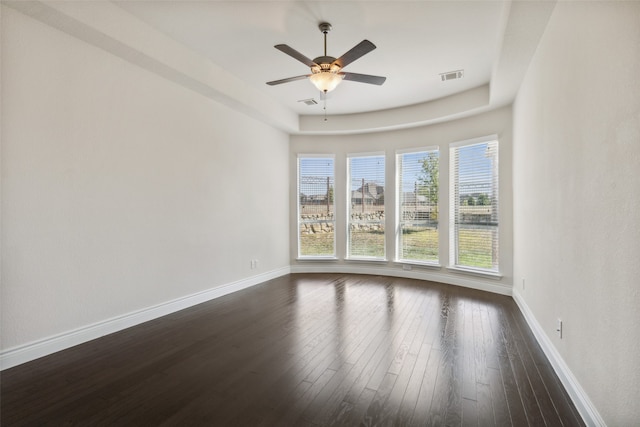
x=576, y=205
x=122, y=190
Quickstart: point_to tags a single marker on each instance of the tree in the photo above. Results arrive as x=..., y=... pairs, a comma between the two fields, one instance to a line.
x=483, y=200
x=429, y=178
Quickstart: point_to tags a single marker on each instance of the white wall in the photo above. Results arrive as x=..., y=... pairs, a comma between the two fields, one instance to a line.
x=441, y=135
x=577, y=198
x=122, y=190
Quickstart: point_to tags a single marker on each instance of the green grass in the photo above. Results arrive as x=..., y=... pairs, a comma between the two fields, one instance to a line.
x=319, y=244
x=418, y=244
x=367, y=243
x=474, y=248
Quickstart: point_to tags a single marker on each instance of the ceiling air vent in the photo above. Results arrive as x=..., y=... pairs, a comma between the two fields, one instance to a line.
x=452, y=75
x=309, y=101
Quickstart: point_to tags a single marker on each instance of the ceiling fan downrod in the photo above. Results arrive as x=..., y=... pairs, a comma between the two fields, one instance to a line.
x=325, y=27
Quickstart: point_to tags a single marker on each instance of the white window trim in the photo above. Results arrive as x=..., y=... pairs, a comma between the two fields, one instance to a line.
x=472, y=141
x=455, y=268
x=384, y=258
x=397, y=210
x=316, y=258
x=496, y=275
x=313, y=257
x=418, y=149
x=423, y=264
x=367, y=154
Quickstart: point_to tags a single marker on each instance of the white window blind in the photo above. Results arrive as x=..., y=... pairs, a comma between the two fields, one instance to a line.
x=474, y=205
x=316, y=220
x=365, y=230
x=418, y=180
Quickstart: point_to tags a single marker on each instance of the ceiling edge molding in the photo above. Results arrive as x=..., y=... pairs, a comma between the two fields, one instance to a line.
x=524, y=23
x=472, y=101
x=108, y=27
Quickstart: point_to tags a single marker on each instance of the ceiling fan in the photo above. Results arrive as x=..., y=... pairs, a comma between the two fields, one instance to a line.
x=326, y=71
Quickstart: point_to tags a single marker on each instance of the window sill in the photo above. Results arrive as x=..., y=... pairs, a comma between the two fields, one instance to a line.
x=474, y=272
x=317, y=258
x=429, y=265
x=367, y=260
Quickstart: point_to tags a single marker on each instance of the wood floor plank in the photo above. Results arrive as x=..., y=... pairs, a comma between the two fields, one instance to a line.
x=499, y=403
x=506, y=385
x=356, y=413
x=484, y=406
x=469, y=354
x=545, y=404
x=377, y=411
x=306, y=350
x=427, y=388
x=566, y=410
x=521, y=379
x=410, y=399
x=469, y=413
x=327, y=400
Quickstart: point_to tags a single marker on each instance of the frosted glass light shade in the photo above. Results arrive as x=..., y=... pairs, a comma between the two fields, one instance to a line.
x=325, y=81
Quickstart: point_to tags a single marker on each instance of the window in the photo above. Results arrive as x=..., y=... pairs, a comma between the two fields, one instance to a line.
x=365, y=232
x=474, y=204
x=316, y=221
x=417, y=181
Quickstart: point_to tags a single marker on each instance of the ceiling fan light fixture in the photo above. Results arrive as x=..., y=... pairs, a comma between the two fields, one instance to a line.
x=326, y=81
x=326, y=71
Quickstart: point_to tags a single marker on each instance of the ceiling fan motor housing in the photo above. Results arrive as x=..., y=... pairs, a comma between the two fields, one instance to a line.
x=325, y=63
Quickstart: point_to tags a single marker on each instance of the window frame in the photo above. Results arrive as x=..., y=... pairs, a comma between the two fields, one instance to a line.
x=300, y=256
x=398, y=206
x=348, y=255
x=454, y=263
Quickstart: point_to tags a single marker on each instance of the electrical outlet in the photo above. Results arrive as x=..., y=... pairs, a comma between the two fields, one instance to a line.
x=406, y=267
x=559, y=328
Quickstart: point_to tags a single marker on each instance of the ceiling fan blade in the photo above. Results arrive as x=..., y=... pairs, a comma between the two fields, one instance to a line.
x=364, y=78
x=361, y=49
x=287, y=80
x=295, y=54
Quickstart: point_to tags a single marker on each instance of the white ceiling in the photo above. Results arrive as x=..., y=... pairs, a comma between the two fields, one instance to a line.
x=416, y=41
x=224, y=51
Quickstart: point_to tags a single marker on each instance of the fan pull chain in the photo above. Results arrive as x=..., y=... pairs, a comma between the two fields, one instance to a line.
x=325, y=106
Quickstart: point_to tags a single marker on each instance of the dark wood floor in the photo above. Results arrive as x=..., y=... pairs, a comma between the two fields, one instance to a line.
x=305, y=350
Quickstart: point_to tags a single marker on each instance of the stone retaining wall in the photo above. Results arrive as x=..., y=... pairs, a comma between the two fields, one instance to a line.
x=324, y=223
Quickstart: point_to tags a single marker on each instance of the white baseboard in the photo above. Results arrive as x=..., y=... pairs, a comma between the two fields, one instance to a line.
x=579, y=397
x=34, y=350
x=434, y=275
